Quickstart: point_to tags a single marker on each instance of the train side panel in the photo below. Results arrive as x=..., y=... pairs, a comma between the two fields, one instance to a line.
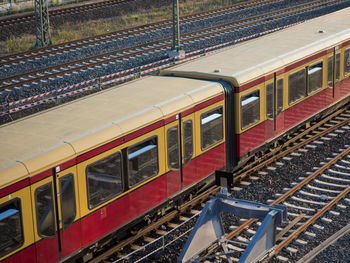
x=134, y=198
x=342, y=89
x=17, y=243
x=256, y=129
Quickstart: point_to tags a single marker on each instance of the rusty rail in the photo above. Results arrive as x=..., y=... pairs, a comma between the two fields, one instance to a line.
x=149, y=49
x=249, y=222
x=44, y=51
x=173, y=214
x=255, y=166
x=309, y=222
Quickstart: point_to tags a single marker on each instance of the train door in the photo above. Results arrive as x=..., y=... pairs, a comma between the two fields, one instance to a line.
x=189, y=172
x=333, y=72
x=68, y=211
x=46, y=236
x=270, y=106
x=55, y=201
x=278, y=102
x=274, y=107
x=179, y=136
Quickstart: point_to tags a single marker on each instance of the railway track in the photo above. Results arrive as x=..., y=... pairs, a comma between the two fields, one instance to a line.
x=73, y=46
x=19, y=86
x=58, y=11
x=313, y=204
x=45, y=51
x=158, y=231
x=313, y=200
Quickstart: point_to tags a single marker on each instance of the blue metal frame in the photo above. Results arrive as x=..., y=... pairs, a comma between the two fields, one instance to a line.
x=209, y=230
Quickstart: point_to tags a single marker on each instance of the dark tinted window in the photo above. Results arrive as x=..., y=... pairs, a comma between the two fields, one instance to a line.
x=173, y=147
x=44, y=210
x=337, y=68
x=296, y=86
x=188, y=140
x=347, y=62
x=143, y=161
x=330, y=72
x=269, y=101
x=279, y=96
x=211, y=127
x=104, y=179
x=11, y=233
x=67, y=194
x=315, y=77
x=250, y=106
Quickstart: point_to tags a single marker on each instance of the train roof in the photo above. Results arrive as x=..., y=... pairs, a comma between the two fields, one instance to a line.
x=76, y=127
x=250, y=60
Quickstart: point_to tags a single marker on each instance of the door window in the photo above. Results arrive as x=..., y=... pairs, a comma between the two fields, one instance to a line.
x=279, y=96
x=347, y=62
x=330, y=72
x=188, y=140
x=44, y=210
x=173, y=147
x=269, y=101
x=337, y=68
x=67, y=194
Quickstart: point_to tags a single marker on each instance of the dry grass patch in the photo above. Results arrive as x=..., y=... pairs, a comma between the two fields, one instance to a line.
x=73, y=31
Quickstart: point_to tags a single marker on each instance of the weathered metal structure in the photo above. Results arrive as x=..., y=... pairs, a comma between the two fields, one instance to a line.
x=176, y=49
x=176, y=26
x=42, y=24
x=209, y=229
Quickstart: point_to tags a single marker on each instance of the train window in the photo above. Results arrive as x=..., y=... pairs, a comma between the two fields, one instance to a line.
x=11, y=231
x=279, y=96
x=297, y=86
x=173, y=147
x=337, y=68
x=211, y=127
x=44, y=210
x=330, y=72
x=143, y=161
x=104, y=179
x=269, y=101
x=250, y=109
x=67, y=194
x=347, y=62
x=315, y=77
x=188, y=140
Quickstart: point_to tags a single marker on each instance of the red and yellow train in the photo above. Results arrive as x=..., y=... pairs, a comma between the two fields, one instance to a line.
x=76, y=175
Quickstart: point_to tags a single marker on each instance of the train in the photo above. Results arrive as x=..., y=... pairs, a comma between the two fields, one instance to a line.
x=82, y=173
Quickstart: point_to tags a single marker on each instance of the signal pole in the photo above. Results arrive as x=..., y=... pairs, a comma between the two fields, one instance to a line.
x=176, y=48
x=42, y=25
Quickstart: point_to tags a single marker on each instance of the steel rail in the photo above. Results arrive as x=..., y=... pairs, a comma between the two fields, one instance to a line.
x=27, y=17
x=173, y=214
x=122, y=33
x=249, y=222
x=310, y=221
x=259, y=165
x=324, y=245
x=189, y=39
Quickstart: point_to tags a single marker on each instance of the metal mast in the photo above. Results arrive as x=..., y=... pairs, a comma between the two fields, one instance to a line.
x=176, y=26
x=42, y=25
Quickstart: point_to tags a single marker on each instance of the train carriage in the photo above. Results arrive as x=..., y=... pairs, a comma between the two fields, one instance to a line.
x=280, y=80
x=76, y=173
x=73, y=176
